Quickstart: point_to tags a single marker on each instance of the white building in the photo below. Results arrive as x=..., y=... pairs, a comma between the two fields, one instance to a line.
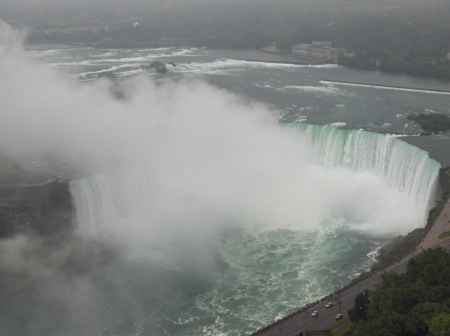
x=317, y=51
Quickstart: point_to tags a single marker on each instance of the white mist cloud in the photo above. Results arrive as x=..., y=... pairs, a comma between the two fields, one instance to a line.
x=206, y=149
x=51, y=286
x=167, y=169
x=176, y=163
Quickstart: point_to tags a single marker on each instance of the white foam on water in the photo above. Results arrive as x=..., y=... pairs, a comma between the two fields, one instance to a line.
x=338, y=124
x=385, y=87
x=326, y=90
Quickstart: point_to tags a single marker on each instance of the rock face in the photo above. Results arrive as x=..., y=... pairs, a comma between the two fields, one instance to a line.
x=43, y=209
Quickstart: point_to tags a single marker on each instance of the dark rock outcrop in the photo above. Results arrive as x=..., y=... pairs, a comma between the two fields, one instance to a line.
x=45, y=208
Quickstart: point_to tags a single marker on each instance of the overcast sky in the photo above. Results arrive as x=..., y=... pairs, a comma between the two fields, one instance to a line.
x=37, y=11
x=168, y=3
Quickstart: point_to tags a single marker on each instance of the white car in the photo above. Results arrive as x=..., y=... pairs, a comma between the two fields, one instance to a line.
x=314, y=313
x=329, y=305
x=339, y=316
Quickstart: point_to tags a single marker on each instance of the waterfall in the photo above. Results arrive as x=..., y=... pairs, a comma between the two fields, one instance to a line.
x=114, y=197
x=162, y=198
x=406, y=168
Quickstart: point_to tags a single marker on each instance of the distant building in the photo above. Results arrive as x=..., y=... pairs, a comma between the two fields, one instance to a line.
x=448, y=56
x=319, y=51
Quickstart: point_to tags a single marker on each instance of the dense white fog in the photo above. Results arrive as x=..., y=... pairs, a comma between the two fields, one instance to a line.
x=202, y=143
x=164, y=166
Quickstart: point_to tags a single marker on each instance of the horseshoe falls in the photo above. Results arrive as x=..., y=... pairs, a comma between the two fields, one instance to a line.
x=405, y=168
x=212, y=247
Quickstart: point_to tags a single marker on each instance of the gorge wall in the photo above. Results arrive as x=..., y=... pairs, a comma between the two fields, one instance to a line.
x=43, y=209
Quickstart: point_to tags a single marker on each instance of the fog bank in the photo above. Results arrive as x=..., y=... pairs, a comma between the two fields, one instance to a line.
x=160, y=173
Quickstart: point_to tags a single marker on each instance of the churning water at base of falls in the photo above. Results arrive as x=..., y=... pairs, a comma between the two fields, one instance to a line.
x=195, y=268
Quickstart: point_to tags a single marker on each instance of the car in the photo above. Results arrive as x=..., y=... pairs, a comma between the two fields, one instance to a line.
x=329, y=305
x=339, y=316
x=314, y=313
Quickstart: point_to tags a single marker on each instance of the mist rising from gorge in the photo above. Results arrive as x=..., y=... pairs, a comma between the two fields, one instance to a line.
x=163, y=170
x=211, y=144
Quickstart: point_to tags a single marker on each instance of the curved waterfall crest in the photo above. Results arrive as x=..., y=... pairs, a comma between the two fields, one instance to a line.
x=407, y=168
x=349, y=173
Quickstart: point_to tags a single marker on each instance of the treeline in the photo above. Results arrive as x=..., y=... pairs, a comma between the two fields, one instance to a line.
x=439, y=68
x=402, y=39
x=415, y=303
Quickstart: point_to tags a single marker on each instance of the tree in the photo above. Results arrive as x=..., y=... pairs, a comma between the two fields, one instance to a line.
x=416, y=319
x=359, y=311
x=439, y=325
x=412, y=304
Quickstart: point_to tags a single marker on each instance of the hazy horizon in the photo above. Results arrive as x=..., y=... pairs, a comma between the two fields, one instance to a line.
x=13, y=9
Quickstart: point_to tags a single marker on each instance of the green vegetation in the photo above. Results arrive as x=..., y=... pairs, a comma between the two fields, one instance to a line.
x=360, y=309
x=414, y=303
x=341, y=327
x=439, y=325
x=444, y=235
x=343, y=331
x=431, y=122
x=375, y=268
x=401, y=246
